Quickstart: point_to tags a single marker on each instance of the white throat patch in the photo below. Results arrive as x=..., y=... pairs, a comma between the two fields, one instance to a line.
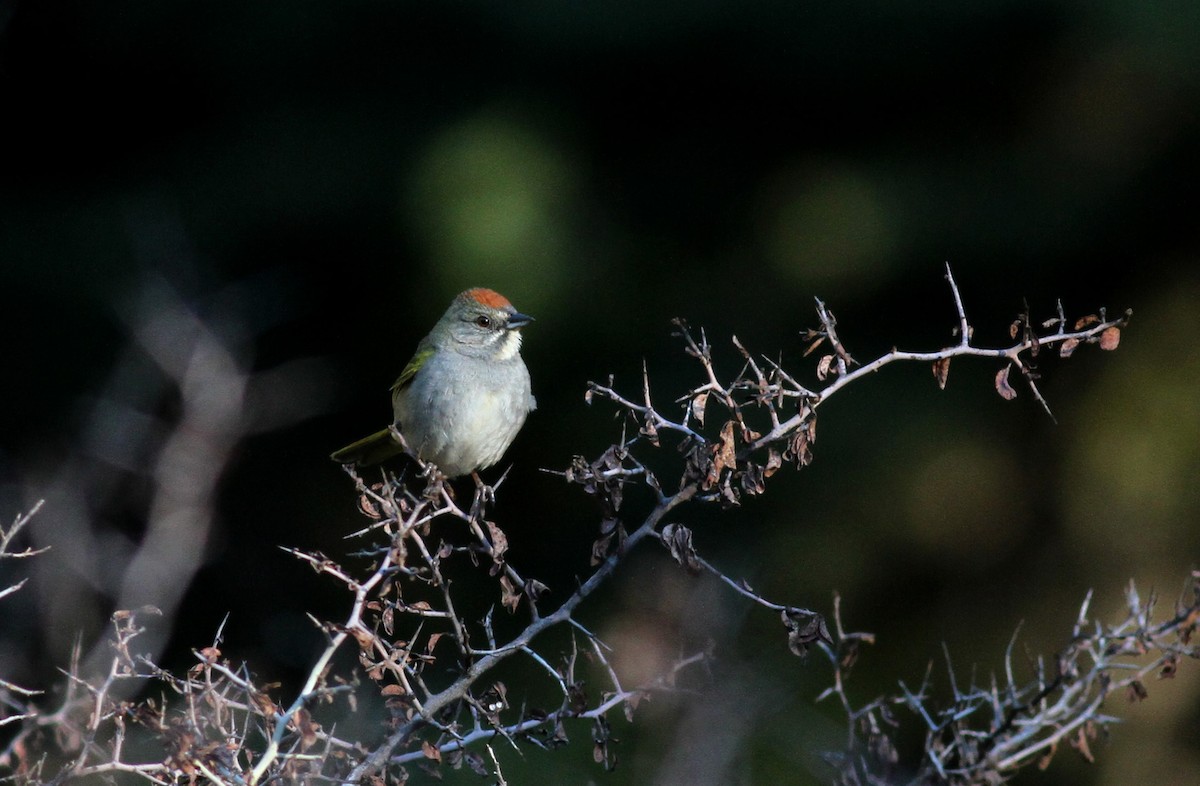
x=510, y=345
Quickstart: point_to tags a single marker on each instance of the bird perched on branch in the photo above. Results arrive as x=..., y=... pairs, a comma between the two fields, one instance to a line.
x=463, y=397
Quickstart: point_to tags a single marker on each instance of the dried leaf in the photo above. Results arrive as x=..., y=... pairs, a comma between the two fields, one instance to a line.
x=1005, y=390
x=1088, y=321
x=1079, y=742
x=499, y=541
x=1137, y=691
x=823, y=366
x=477, y=765
x=1068, y=347
x=389, y=620
x=774, y=462
x=698, y=405
x=650, y=431
x=723, y=455
x=678, y=540
x=799, y=447
x=1169, y=667
x=600, y=549
x=752, y=479
x=534, y=589
x=804, y=627
x=577, y=698
x=368, y=508
x=941, y=368
x=1044, y=762
x=1110, y=338
x=431, y=751
x=509, y=597
x=816, y=338
x=302, y=719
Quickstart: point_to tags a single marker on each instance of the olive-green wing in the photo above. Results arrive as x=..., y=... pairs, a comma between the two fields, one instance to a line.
x=414, y=365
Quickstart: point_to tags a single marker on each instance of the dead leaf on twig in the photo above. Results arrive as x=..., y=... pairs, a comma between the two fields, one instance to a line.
x=941, y=369
x=1006, y=391
x=678, y=540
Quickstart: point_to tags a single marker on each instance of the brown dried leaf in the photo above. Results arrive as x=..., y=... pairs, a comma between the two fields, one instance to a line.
x=1006, y=391
x=389, y=620
x=752, y=479
x=1137, y=691
x=391, y=689
x=600, y=549
x=1066, y=349
x=1080, y=743
x=698, y=405
x=804, y=627
x=774, y=462
x=1169, y=667
x=800, y=444
x=1044, y=762
x=723, y=455
x=816, y=338
x=1110, y=338
x=650, y=431
x=678, y=540
x=476, y=763
x=431, y=751
x=499, y=541
x=509, y=597
x=577, y=698
x=823, y=366
x=941, y=368
x=1088, y=321
x=368, y=508
x=302, y=719
x=364, y=638
x=534, y=589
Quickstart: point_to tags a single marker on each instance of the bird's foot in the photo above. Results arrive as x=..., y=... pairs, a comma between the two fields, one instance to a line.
x=484, y=494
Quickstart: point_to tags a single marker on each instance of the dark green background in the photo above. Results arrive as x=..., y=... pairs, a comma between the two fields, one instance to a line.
x=321, y=178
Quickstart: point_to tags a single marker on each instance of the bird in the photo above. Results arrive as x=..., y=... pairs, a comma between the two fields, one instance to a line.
x=465, y=394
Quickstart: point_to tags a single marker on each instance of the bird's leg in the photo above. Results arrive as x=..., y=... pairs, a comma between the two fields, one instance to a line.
x=484, y=495
x=435, y=483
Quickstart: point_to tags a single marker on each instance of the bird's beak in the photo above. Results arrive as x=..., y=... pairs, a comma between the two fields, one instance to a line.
x=518, y=320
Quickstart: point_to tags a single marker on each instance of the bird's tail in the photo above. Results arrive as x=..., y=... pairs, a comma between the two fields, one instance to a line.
x=369, y=450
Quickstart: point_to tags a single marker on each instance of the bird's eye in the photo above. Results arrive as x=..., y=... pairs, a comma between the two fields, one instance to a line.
x=483, y=321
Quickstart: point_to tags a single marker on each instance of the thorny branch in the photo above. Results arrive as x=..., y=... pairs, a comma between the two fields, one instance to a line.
x=406, y=614
x=986, y=732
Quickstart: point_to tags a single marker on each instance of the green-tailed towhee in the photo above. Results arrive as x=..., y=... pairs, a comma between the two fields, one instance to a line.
x=463, y=397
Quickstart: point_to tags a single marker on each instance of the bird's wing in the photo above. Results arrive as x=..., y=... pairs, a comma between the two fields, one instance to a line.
x=414, y=365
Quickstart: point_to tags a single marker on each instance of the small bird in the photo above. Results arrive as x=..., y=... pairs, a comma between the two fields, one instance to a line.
x=465, y=394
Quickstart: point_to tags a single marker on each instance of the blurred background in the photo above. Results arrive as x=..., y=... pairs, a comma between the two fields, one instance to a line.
x=224, y=227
